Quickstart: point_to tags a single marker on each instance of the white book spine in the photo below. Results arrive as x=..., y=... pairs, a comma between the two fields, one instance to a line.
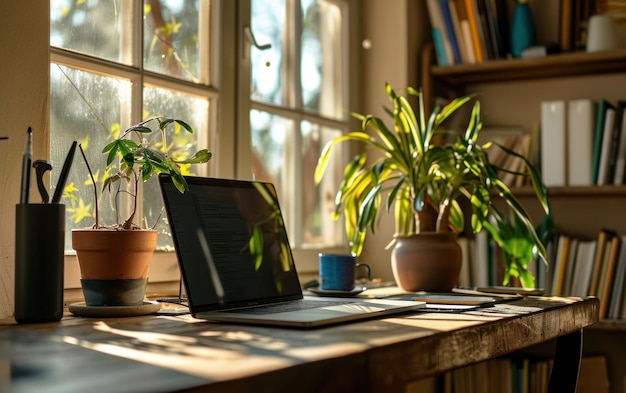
x=581, y=117
x=467, y=39
x=553, y=143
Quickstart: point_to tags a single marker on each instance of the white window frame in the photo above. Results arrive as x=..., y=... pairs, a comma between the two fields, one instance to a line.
x=164, y=267
x=305, y=256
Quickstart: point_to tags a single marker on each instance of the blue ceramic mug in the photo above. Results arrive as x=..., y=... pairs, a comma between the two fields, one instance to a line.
x=337, y=272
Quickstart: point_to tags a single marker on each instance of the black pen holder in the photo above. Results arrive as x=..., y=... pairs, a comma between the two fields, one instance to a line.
x=39, y=252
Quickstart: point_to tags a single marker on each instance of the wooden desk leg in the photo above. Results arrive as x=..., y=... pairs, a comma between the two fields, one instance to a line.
x=564, y=376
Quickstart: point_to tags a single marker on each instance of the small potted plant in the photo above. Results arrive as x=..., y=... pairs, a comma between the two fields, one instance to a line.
x=114, y=259
x=423, y=179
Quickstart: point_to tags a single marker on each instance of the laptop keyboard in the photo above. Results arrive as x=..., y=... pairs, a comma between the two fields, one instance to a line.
x=290, y=306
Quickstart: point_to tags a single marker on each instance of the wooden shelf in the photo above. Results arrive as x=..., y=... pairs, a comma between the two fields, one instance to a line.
x=596, y=191
x=552, y=66
x=610, y=324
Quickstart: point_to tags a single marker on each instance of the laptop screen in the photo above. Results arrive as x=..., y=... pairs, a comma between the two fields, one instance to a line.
x=231, y=243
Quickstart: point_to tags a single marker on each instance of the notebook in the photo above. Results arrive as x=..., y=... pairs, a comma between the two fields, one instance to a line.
x=236, y=262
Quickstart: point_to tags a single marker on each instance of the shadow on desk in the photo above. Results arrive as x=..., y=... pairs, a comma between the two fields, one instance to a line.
x=161, y=353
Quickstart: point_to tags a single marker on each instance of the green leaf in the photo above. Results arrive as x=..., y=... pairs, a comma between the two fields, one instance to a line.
x=185, y=125
x=256, y=246
x=201, y=156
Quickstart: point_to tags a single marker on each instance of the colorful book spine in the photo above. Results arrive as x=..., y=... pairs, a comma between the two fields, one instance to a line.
x=447, y=21
x=472, y=17
x=440, y=35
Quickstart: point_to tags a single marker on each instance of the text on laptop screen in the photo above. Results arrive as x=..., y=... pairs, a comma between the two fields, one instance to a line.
x=231, y=242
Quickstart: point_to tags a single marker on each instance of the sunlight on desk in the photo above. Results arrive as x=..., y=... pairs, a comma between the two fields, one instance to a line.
x=150, y=354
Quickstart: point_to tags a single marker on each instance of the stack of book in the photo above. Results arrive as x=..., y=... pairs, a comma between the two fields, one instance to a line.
x=590, y=267
x=514, y=138
x=523, y=374
x=583, y=142
x=469, y=31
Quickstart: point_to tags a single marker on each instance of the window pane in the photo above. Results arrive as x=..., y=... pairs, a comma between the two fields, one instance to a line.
x=270, y=148
x=268, y=25
x=322, y=58
x=90, y=27
x=172, y=39
x=180, y=144
x=306, y=207
x=318, y=227
x=79, y=111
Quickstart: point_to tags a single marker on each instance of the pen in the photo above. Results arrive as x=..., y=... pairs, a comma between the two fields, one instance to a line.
x=27, y=159
x=4, y=137
x=65, y=171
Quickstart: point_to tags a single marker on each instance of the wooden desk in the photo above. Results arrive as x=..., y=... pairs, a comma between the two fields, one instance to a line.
x=163, y=354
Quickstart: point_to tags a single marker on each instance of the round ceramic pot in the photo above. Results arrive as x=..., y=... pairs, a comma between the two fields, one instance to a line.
x=427, y=262
x=114, y=265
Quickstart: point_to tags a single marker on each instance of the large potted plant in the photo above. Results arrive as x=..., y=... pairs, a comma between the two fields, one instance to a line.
x=422, y=174
x=114, y=259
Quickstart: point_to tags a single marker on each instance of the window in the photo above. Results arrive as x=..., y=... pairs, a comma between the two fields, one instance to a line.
x=113, y=64
x=298, y=101
x=117, y=62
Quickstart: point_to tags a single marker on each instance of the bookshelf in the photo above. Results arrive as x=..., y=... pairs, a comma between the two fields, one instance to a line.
x=557, y=65
x=510, y=87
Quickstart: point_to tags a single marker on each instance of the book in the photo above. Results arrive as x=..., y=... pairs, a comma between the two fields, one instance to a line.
x=597, y=142
x=501, y=14
x=566, y=33
x=450, y=31
x=441, y=40
x=602, y=248
x=553, y=143
x=581, y=118
x=594, y=375
x=570, y=266
x=560, y=265
x=608, y=273
x=615, y=141
x=440, y=52
x=605, y=150
x=485, y=28
x=458, y=32
x=474, y=24
x=618, y=283
x=466, y=32
x=584, y=267
x=620, y=155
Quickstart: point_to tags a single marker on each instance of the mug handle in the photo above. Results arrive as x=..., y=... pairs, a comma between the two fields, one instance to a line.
x=367, y=269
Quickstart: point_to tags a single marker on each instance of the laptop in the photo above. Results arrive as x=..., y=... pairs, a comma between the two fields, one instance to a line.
x=236, y=262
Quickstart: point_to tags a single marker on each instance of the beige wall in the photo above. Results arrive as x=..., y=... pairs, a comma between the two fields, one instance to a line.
x=24, y=102
x=397, y=30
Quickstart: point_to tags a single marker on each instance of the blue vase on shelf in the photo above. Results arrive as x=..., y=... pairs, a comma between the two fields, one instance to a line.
x=522, y=28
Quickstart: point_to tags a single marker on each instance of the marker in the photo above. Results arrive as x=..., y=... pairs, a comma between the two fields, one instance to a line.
x=65, y=171
x=27, y=159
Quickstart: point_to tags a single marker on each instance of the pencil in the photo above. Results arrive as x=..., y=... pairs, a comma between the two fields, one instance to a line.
x=27, y=159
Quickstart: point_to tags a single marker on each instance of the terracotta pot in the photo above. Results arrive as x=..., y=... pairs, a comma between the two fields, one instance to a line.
x=427, y=262
x=114, y=264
